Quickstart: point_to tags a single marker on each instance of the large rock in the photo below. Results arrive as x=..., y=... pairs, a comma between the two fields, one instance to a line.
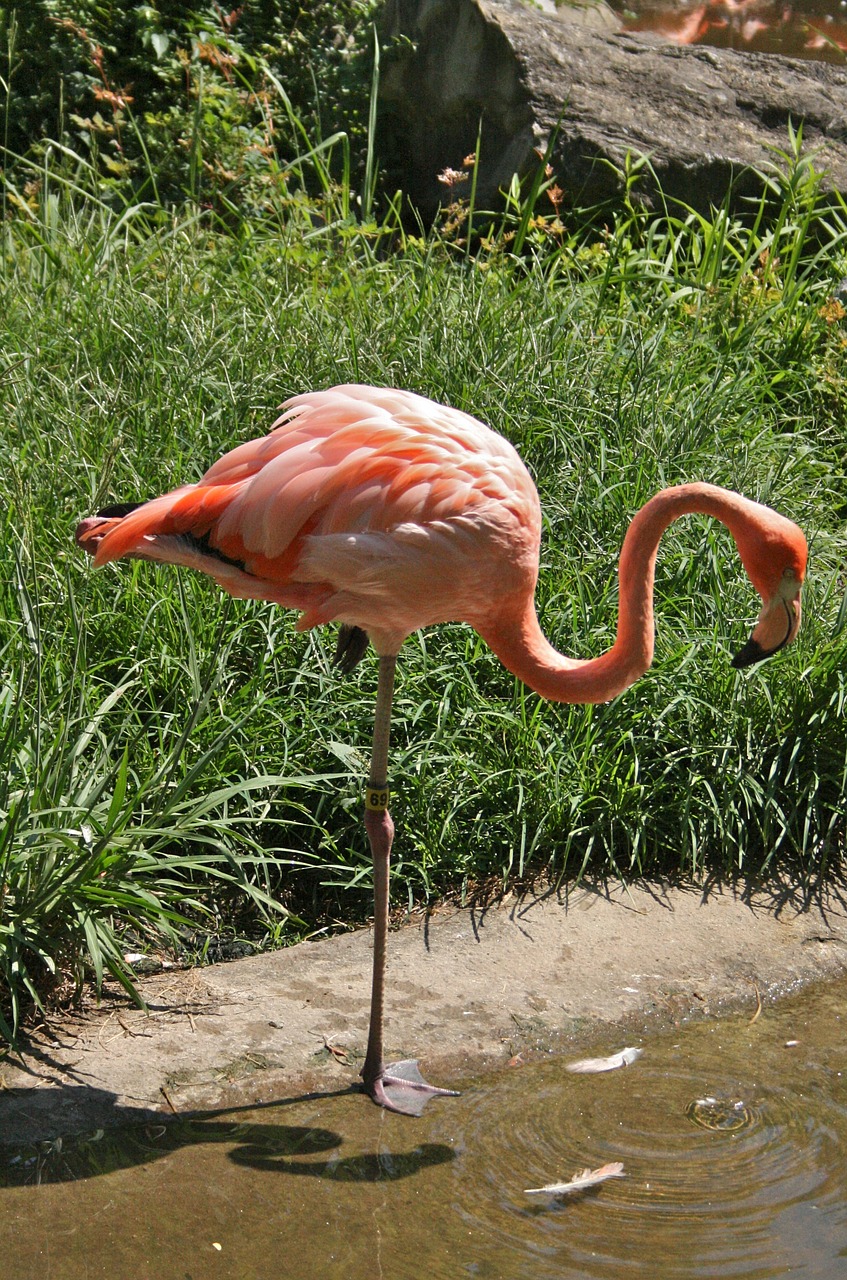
x=706, y=117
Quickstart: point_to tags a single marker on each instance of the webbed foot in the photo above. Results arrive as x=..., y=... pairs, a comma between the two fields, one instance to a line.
x=401, y=1087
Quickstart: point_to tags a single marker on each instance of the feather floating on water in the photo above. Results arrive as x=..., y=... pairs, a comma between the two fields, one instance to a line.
x=580, y=1181
x=588, y=1066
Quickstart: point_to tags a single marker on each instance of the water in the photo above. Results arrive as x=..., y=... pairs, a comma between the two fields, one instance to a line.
x=815, y=29
x=331, y=1187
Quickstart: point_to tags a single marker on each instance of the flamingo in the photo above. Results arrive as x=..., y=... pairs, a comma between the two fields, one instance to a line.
x=387, y=512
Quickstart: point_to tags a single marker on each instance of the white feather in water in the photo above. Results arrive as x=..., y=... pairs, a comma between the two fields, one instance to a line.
x=588, y=1066
x=580, y=1181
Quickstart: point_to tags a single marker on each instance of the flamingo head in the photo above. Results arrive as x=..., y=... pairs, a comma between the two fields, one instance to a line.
x=774, y=554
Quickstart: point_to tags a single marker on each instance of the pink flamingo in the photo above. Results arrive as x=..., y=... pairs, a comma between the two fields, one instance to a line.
x=388, y=512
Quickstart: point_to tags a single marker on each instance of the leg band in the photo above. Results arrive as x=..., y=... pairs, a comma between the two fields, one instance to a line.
x=376, y=798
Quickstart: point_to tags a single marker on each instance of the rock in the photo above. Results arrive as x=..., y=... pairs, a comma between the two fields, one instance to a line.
x=707, y=118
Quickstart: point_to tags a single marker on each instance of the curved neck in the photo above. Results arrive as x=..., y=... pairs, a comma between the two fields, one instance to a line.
x=521, y=646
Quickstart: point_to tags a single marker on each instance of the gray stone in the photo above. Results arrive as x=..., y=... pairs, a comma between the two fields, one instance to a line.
x=707, y=118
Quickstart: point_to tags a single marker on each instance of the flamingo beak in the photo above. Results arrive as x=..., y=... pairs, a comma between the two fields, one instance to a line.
x=777, y=626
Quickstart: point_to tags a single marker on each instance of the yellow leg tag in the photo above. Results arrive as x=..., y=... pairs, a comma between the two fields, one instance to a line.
x=376, y=798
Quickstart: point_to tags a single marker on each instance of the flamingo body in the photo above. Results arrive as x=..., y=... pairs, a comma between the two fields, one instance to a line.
x=373, y=507
x=388, y=512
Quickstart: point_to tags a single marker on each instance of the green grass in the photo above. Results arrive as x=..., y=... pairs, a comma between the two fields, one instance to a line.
x=169, y=756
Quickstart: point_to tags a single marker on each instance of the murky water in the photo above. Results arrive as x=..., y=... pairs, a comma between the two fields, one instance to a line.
x=331, y=1187
x=815, y=29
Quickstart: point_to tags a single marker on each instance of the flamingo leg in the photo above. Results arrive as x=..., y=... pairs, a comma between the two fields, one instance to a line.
x=400, y=1086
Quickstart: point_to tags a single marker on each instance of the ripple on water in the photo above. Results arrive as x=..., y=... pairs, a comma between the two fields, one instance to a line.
x=743, y=1200
x=329, y=1186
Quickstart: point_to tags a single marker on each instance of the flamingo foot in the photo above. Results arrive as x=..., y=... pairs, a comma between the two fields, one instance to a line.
x=400, y=1087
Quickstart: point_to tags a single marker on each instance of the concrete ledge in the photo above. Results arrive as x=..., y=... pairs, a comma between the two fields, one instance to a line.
x=467, y=990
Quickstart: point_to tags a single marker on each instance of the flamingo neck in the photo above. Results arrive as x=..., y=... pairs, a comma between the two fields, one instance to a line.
x=522, y=647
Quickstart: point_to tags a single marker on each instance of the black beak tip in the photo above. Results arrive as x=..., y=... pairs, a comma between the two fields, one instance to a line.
x=749, y=655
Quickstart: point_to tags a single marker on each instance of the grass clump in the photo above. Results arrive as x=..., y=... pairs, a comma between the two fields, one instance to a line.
x=169, y=758
x=172, y=100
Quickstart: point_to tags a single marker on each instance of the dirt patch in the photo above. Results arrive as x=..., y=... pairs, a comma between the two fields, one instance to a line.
x=468, y=990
